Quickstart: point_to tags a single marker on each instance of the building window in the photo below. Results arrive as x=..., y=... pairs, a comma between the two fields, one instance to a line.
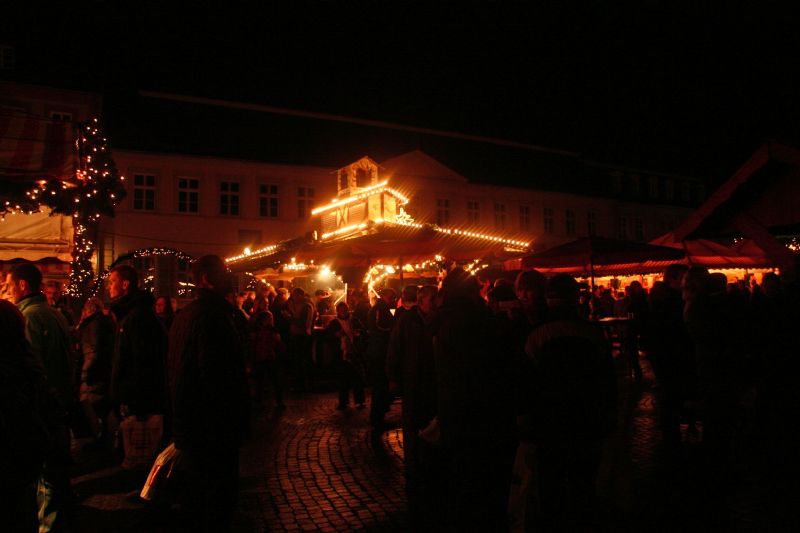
x=188, y=195
x=669, y=190
x=61, y=116
x=144, y=192
x=699, y=194
x=7, y=57
x=268, y=200
x=524, y=218
x=686, y=192
x=616, y=182
x=622, y=227
x=591, y=223
x=638, y=229
x=442, y=212
x=548, y=220
x=569, y=221
x=473, y=212
x=305, y=199
x=229, y=198
x=653, y=186
x=500, y=216
x=635, y=185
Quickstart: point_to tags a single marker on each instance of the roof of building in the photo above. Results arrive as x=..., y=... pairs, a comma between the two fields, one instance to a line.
x=150, y=122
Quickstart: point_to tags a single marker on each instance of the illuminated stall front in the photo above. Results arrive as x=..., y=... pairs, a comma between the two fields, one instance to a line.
x=364, y=235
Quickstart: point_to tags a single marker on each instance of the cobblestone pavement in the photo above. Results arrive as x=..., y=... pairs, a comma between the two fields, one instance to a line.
x=313, y=468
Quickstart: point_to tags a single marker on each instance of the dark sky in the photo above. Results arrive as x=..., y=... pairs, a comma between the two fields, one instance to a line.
x=688, y=87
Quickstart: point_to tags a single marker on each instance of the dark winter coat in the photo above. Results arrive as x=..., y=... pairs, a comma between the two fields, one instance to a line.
x=410, y=364
x=138, y=376
x=47, y=331
x=32, y=420
x=572, y=392
x=96, y=334
x=472, y=376
x=208, y=385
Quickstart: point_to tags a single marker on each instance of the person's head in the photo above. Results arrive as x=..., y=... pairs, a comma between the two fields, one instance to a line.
x=52, y=292
x=343, y=310
x=673, y=276
x=389, y=296
x=122, y=280
x=12, y=329
x=410, y=294
x=459, y=286
x=695, y=283
x=24, y=279
x=282, y=294
x=718, y=283
x=208, y=272
x=426, y=298
x=261, y=289
x=530, y=286
x=771, y=284
x=163, y=306
x=240, y=298
x=635, y=288
x=562, y=292
x=298, y=294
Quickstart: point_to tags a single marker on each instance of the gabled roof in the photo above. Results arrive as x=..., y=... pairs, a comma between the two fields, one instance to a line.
x=766, y=187
x=419, y=164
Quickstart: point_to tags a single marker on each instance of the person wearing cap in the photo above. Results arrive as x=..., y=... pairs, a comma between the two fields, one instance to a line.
x=570, y=408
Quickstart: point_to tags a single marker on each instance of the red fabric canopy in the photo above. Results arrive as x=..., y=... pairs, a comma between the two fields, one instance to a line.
x=600, y=256
x=707, y=253
x=35, y=148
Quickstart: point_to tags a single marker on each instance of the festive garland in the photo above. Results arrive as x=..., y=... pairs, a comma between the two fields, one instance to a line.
x=141, y=252
x=94, y=192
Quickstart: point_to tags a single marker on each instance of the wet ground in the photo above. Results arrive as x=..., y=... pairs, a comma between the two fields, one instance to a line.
x=313, y=468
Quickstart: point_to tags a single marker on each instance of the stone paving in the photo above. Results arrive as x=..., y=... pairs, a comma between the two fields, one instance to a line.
x=313, y=468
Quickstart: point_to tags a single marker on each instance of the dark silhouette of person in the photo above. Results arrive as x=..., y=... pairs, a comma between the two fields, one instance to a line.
x=571, y=407
x=210, y=402
x=411, y=372
x=474, y=407
x=381, y=322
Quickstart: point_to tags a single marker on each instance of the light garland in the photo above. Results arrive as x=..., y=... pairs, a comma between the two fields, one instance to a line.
x=141, y=252
x=247, y=253
x=366, y=192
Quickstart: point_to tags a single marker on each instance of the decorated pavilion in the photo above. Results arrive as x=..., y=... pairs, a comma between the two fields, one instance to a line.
x=365, y=235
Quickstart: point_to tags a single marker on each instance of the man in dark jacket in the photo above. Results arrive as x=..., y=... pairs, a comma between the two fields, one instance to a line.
x=571, y=407
x=138, y=372
x=670, y=349
x=47, y=332
x=380, y=325
x=410, y=369
x=209, y=394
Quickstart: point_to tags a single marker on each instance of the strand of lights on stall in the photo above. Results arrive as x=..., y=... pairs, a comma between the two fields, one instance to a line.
x=253, y=254
x=367, y=191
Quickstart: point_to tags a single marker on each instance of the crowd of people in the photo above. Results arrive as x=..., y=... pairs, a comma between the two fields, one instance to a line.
x=508, y=389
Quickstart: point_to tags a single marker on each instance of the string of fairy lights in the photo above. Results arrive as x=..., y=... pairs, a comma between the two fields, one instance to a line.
x=96, y=188
x=141, y=252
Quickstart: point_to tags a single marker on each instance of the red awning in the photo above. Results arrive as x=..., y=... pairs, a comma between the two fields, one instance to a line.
x=711, y=254
x=34, y=148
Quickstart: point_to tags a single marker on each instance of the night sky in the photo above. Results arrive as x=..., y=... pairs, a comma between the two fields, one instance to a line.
x=688, y=88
